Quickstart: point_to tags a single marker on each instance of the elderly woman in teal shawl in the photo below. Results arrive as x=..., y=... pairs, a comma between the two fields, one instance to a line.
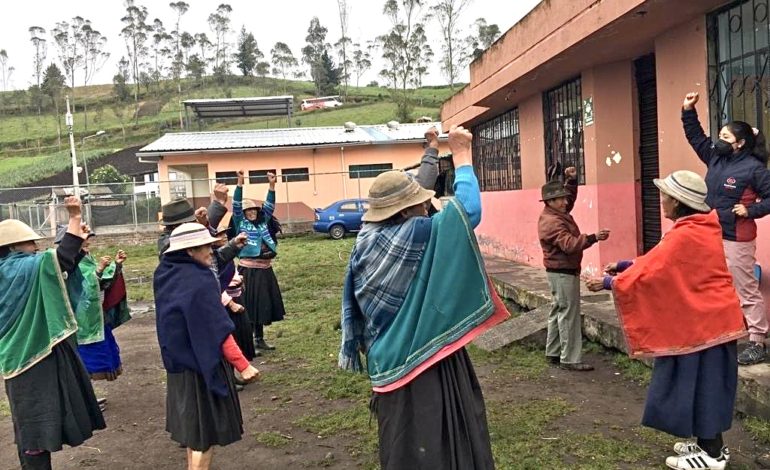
x=49, y=391
x=415, y=294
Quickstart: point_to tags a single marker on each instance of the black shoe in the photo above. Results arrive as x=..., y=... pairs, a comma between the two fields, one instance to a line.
x=260, y=344
x=101, y=401
x=553, y=360
x=753, y=354
x=238, y=388
x=577, y=366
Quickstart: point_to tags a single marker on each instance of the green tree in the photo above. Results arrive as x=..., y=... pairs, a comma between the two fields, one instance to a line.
x=196, y=67
x=283, y=61
x=219, y=23
x=447, y=14
x=39, y=43
x=120, y=88
x=110, y=176
x=53, y=86
x=362, y=61
x=329, y=75
x=248, y=53
x=402, y=49
x=135, y=31
x=313, y=52
x=483, y=36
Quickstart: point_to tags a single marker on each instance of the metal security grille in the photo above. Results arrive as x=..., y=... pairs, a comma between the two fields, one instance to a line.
x=647, y=89
x=563, y=119
x=497, y=153
x=739, y=64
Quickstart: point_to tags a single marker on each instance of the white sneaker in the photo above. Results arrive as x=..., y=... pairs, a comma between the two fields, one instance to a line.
x=699, y=460
x=689, y=447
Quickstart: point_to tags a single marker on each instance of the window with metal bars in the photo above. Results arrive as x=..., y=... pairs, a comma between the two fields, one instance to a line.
x=368, y=171
x=227, y=177
x=497, y=153
x=739, y=64
x=563, y=122
x=289, y=175
x=259, y=176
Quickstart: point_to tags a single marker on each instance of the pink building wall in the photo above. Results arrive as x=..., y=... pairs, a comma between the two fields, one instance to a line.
x=327, y=182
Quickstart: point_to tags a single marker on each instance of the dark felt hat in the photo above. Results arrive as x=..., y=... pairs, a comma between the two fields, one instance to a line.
x=552, y=190
x=177, y=212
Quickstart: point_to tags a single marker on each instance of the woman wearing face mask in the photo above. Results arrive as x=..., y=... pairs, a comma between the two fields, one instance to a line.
x=261, y=294
x=739, y=190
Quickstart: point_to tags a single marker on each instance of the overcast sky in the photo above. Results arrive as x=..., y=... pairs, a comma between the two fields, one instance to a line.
x=269, y=21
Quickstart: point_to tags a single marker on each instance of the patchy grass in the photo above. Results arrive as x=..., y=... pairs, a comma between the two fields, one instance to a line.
x=632, y=369
x=513, y=362
x=758, y=428
x=272, y=439
x=137, y=270
x=5, y=408
x=352, y=422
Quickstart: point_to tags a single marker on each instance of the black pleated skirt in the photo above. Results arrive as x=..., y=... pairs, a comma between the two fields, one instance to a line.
x=262, y=296
x=244, y=332
x=198, y=419
x=693, y=394
x=53, y=403
x=437, y=421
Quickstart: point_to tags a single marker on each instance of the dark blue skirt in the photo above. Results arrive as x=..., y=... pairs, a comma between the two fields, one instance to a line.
x=693, y=394
x=102, y=359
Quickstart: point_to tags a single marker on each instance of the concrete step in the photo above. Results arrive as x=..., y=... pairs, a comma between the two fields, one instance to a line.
x=528, y=287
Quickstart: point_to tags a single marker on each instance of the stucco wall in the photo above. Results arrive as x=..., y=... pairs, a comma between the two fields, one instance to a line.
x=326, y=165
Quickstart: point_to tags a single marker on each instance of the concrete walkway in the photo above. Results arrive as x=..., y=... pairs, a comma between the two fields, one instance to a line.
x=528, y=287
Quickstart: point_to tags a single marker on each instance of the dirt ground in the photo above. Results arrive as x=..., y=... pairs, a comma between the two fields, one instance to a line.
x=604, y=402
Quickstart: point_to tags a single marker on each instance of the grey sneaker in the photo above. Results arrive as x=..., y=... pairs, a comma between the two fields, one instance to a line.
x=753, y=354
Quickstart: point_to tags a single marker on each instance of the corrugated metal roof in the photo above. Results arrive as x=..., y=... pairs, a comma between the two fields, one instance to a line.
x=288, y=137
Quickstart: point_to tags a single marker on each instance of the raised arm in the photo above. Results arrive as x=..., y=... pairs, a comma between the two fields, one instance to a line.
x=693, y=130
x=428, y=172
x=238, y=200
x=466, y=185
x=68, y=251
x=269, y=206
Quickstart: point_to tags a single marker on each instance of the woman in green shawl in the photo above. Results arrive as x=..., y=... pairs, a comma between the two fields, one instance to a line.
x=50, y=395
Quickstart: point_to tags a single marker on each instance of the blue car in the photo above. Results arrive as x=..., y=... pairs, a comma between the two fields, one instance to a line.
x=340, y=217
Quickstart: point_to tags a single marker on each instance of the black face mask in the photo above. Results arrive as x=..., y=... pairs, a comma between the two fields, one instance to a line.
x=723, y=148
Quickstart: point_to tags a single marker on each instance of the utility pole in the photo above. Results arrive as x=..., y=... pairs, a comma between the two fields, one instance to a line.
x=69, y=121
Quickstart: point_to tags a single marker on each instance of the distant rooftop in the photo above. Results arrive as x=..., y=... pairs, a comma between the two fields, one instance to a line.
x=241, y=107
x=286, y=138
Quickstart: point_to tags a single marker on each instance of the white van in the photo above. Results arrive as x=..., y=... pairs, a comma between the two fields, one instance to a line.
x=320, y=103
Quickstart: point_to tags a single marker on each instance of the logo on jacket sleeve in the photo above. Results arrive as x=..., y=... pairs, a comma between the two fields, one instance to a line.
x=730, y=183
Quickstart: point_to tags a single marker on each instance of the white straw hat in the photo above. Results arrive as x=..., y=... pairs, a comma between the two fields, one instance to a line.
x=686, y=187
x=14, y=231
x=189, y=235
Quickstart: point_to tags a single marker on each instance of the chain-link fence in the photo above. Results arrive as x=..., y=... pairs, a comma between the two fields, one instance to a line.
x=136, y=206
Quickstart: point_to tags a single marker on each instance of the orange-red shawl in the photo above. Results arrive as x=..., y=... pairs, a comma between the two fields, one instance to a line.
x=679, y=297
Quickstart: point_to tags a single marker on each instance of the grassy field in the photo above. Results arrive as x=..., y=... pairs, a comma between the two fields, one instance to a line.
x=29, y=149
x=532, y=424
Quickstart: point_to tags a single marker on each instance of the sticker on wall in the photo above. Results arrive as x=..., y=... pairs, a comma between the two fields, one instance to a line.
x=588, y=111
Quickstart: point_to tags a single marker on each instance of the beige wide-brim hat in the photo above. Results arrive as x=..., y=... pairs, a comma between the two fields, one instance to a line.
x=189, y=235
x=14, y=231
x=250, y=204
x=687, y=187
x=392, y=192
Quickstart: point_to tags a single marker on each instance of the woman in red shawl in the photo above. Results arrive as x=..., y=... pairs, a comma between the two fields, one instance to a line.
x=678, y=305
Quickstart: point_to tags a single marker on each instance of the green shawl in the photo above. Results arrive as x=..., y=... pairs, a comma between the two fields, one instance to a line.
x=448, y=298
x=83, y=290
x=35, y=312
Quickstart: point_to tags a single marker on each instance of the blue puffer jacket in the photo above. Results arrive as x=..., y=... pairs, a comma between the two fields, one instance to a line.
x=736, y=179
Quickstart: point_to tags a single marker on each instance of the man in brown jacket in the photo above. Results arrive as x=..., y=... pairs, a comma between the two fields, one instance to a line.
x=563, y=246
